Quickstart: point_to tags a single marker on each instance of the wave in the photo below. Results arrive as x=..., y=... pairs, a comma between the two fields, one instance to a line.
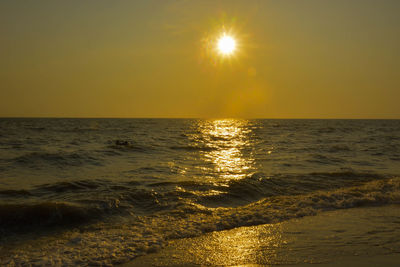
x=26, y=216
x=111, y=198
x=80, y=185
x=257, y=186
x=144, y=197
x=59, y=159
x=112, y=244
x=193, y=148
x=338, y=148
x=127, y=145
x=326, y=160
x=15, y=193
x=33, y=128
x=279, y=208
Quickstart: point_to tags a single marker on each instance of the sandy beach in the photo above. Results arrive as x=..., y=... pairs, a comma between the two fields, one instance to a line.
x=352, y=237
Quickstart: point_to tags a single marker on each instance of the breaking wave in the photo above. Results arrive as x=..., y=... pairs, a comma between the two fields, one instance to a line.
x=116, y=244
x=26, y=216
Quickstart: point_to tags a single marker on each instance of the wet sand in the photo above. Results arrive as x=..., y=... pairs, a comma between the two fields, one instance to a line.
x=352, y=237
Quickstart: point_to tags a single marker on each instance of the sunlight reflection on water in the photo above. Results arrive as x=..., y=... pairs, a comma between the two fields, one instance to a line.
x=226, y=139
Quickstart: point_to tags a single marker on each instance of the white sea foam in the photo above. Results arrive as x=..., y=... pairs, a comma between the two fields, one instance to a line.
x=111, y=243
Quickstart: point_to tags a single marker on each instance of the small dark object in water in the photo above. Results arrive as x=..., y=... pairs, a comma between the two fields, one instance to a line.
x=122, y=143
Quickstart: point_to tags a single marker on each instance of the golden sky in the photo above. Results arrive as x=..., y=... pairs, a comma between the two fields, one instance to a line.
x=153, y=58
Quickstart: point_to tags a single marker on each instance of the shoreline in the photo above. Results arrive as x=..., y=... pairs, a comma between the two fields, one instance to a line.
x=351, y=237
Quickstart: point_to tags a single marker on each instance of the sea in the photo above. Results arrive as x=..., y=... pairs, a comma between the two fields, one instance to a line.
x=105, y=191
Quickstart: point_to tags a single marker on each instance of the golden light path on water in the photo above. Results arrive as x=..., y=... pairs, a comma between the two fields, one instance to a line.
x=227, y=139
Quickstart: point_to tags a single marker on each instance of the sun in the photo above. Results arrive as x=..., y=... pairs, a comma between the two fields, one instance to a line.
x=226, y=45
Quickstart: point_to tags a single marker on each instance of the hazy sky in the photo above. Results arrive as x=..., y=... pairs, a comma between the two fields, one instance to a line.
x=151, y=58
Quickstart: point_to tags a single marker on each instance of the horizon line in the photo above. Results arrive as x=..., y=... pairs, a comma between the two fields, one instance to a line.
x=194, y=118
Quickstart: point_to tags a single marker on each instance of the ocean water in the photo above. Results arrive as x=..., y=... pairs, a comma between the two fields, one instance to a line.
x=104, y=191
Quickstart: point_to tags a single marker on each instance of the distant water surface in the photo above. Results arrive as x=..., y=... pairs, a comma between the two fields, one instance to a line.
x=107, y=190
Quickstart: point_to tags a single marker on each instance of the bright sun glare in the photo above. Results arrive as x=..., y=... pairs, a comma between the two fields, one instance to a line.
x=226, y=45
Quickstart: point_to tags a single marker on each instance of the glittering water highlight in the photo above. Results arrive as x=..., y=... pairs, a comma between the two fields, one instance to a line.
x=104, y=191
